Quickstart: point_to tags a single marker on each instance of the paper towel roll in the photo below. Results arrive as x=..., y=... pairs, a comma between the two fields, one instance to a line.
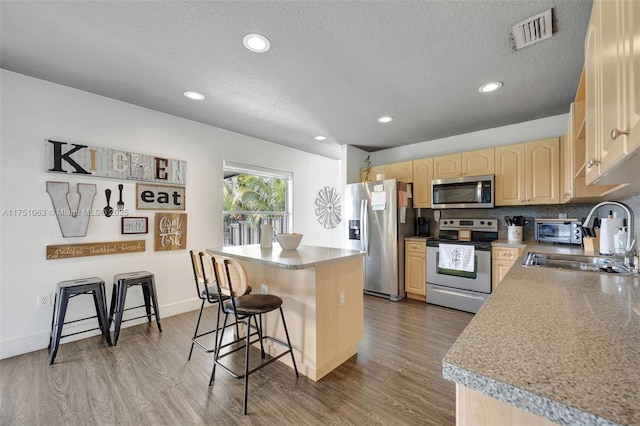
x=608, y=228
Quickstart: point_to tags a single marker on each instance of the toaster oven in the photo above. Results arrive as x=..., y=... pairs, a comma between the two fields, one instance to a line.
x=558, y=231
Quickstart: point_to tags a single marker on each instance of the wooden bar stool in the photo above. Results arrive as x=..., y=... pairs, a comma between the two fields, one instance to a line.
x=65, y=290
x=121, y=283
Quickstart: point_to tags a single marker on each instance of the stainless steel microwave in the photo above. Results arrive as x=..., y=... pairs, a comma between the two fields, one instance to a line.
x=467, y=192
x=559, y=231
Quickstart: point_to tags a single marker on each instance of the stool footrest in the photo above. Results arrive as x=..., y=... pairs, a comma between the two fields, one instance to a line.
x=78, y=320
x=78, y=332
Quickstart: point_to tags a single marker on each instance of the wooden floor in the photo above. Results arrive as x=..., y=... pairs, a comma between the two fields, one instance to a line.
x=395, y=379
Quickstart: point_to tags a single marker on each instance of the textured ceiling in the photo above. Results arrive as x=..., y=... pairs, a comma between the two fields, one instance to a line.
x=333, y=67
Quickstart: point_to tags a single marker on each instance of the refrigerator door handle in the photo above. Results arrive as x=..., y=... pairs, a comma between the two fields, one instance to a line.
x=364, y=219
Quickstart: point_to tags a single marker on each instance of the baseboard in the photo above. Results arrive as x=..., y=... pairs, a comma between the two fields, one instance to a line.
x=36, y=342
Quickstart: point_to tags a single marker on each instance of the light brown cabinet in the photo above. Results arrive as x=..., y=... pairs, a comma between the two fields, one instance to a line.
x=401, y=171
x=415, y=275
x=468, y=163
x=502, y=259
x=528, y=173
x=612, y=72
x=422, y=177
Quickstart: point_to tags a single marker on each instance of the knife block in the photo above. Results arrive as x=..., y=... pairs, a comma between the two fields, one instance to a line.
x=591, y=244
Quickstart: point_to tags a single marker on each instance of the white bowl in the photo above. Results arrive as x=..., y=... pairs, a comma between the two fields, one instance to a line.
x=289, y=241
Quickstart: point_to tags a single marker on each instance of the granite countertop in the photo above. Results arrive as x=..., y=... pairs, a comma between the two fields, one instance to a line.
x=302, y=258
x=561, y=344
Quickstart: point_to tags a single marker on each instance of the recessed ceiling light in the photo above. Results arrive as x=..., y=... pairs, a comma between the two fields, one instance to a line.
x=320, y=138
x=256, y=43
x=196, y=96
x=385, y=119
x=490, y=87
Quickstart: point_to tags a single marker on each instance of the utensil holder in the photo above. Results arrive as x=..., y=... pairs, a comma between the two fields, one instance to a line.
x=514, y=233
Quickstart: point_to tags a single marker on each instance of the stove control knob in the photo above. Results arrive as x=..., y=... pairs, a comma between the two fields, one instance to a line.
x=489, y=223
x=482, y=222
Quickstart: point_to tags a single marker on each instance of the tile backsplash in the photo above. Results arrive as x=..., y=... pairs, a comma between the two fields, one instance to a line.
x=579, y=211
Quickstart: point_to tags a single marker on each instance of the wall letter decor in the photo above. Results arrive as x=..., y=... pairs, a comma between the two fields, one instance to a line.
x=64, y=157
x=73, y=221
x=159, y=197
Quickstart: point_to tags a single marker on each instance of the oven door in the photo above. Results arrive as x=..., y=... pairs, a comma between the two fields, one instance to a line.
x=479, y=280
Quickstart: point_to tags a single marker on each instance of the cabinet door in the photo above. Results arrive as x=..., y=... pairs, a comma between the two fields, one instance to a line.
x=422, y=177
x=498, y=270
x=510, y=175
x=592, y=99
x=543, y=171
x=631, y=36
x=566, y=164
x=479, y=162
x=402, y=172
x=447, y=166
x=611, y=58
x=415, y=269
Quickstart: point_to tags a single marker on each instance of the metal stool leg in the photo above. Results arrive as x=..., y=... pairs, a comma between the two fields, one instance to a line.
x=122, y=296
x=154, y=300
x=286, y=333
x=195, y=333
x=147, y=299
x=63, y=301
x=101, y=311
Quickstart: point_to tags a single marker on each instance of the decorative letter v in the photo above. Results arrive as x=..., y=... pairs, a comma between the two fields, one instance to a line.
x=73, y=223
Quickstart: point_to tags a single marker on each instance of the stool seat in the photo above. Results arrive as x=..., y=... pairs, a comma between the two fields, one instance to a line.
x=65, y=290
x=121, y=283
x=253, y=304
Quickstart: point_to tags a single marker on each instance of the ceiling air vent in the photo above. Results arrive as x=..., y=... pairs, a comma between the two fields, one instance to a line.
x=532, y=30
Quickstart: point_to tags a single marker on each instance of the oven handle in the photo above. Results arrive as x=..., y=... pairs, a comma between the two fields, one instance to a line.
x=479, y=192
x=458, y=294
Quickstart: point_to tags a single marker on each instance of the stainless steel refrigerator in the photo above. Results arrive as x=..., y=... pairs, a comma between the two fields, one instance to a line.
x=378, y=226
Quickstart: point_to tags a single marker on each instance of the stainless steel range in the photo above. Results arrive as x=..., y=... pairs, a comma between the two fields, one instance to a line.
x=461, y=287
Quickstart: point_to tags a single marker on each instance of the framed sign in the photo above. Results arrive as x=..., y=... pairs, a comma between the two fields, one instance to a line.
x=134, y=225
x=170, y=231
x=159, y=197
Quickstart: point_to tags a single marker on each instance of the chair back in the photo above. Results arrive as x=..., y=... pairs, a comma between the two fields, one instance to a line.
x=203, y=277
x=228, y=274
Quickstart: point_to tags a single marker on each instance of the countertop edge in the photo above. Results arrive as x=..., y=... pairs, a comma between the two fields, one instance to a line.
x=519, y=398
x=267, y=262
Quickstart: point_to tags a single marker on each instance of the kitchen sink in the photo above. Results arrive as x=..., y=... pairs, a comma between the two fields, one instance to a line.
x=577, y=262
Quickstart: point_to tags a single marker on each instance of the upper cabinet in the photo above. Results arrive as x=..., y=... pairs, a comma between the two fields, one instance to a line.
x=422, y=177
x=402, y=172
x=528, y=173
x=470, y=163
x=612, y=64
x=573, y=185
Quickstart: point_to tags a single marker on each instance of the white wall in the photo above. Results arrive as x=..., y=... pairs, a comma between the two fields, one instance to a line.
x=543, y=128
x=34, y=110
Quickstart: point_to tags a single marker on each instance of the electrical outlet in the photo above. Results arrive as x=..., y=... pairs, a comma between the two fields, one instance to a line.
x=45, y=300
x=264, y=289
x=341, y=298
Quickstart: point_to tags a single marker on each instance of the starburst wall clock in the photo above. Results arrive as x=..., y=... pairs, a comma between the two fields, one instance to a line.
x=328, y=207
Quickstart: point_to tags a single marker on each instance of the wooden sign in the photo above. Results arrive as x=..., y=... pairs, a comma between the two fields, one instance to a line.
x=171, y=231
x=134, y=225
x=94, y=249
x=78, y=159
x=160, y=197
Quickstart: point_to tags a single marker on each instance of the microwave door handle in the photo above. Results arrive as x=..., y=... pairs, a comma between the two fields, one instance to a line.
x=479, y=192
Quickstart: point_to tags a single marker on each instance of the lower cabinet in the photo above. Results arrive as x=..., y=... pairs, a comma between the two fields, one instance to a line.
x=415, y=270
x=502, y=259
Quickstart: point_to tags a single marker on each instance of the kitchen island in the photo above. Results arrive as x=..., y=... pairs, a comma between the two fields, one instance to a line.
x=321, y=289
x=551, y=345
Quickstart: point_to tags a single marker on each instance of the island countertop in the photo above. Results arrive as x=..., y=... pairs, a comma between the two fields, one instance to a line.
x=561, y=344
x=302, y=258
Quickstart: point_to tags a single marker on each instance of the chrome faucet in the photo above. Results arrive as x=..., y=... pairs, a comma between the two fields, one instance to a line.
x=588, y=223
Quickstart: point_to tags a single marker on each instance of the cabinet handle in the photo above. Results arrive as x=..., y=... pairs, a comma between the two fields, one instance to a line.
x=616, y=132
x=592, y=162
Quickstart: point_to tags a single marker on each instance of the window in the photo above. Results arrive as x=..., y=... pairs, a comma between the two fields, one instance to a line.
x=252, y=196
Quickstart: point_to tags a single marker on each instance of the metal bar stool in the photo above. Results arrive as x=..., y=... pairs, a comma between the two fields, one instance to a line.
x=121, y=283
x=244, y=307
x=65, y=290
